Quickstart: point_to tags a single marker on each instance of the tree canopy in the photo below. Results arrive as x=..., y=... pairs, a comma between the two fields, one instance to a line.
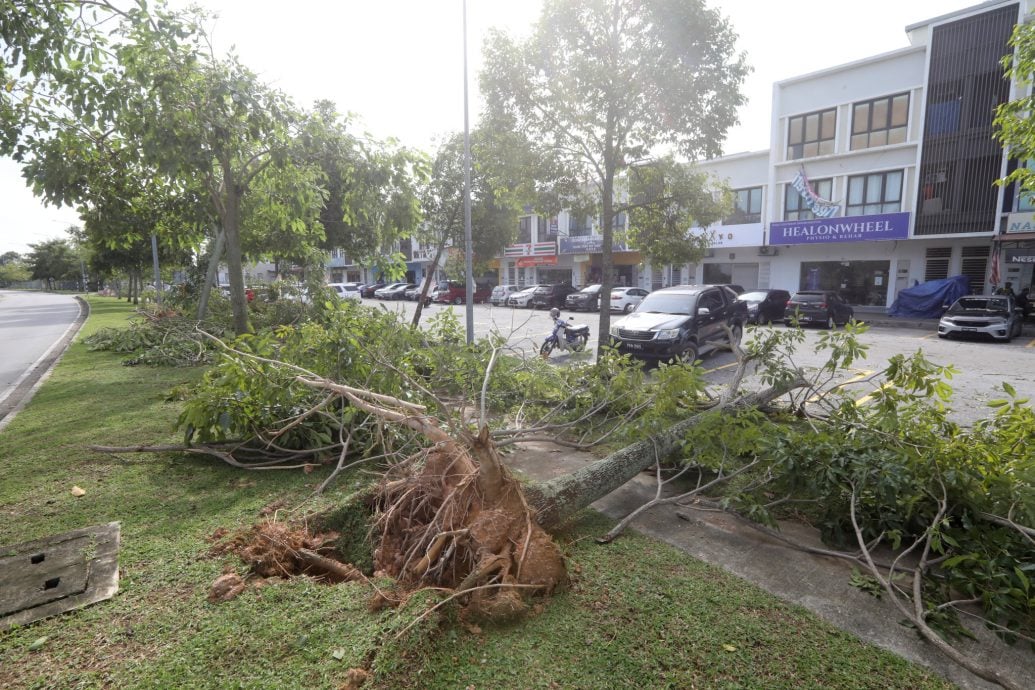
x=605, y=85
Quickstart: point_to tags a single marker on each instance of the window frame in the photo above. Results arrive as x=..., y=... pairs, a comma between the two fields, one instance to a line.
x=859, y=209
x=874, y=132
x=740, y=216
x=799, y=142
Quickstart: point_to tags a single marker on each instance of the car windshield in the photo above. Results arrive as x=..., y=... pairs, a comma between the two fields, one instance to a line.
x=543, y=290
x=591, y=289
x=809, y=297
x=983, y=304
x=757, y=296
x=667, y=303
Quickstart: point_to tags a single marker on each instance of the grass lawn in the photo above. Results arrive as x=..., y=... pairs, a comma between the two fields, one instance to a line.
x=640, y=614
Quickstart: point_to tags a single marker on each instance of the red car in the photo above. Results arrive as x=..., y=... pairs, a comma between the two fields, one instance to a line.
x=451, y=292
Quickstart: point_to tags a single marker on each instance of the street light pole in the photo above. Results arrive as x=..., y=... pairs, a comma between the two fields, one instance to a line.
x=468, y=268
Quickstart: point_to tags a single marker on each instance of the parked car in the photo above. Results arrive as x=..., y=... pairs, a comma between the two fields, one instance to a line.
x=388, y=291
x=739, y=289
x=765, y=306
x=681, y=322
x=991, y=316
x=397, y=291
x=522, y=299
x=369, y=289
x=452, y=292
x=345, y=290
x=500, y=293
x=625, y=299
x=588, y=298
x=414, y=292
x=552, y=295
x=824, y=307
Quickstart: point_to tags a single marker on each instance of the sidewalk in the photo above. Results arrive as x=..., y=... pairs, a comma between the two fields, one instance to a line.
x=818, y=583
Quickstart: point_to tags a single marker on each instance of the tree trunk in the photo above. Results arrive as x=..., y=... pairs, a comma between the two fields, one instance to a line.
x=234, y=258
x=211, y=274
x=608, y=233
x=434, y=264
x=558, y=499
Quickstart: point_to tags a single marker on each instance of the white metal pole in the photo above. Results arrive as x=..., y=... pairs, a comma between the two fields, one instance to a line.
x=468, y=269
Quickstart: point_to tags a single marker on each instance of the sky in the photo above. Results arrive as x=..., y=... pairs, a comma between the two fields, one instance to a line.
x=397, y=65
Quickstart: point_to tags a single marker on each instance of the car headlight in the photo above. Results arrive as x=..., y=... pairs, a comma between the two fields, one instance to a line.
x=667, y=334
x=752, y=308
x=614, y=331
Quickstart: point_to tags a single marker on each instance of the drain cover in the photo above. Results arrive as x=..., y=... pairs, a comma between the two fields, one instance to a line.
x=59, y=573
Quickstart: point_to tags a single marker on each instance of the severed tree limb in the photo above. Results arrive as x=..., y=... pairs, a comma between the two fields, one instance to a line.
x=915, y=614
x=557, y=500
x=201, y=450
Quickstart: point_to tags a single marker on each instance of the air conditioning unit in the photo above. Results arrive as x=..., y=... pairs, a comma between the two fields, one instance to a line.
x=768, y=251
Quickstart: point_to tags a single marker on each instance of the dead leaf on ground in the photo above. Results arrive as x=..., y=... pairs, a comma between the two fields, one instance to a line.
x=77, y=492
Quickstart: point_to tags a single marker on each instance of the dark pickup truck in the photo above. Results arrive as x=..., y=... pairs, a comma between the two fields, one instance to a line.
x=681, y=323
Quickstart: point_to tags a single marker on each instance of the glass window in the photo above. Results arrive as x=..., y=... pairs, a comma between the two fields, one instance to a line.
x=874, y=193
x=811, y=134
x=794, y=206
x=880, y=122
x=525, y=230
x=747, y=206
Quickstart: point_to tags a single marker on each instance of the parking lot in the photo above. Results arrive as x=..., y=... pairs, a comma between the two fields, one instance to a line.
x=982, y=366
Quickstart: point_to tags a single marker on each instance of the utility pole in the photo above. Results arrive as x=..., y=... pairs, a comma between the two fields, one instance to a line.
x=468, y=269
x=158, y=273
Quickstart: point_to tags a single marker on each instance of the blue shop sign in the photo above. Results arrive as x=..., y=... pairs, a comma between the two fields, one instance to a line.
x=886, y=226
x=587, y=244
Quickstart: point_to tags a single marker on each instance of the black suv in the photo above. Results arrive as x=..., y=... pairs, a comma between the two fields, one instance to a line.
x=546, y=296
x=681, y=323
x=823, y=307
x=587, y=298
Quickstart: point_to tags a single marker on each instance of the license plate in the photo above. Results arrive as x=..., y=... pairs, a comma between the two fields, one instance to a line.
x=634, y=346
x=969, y=330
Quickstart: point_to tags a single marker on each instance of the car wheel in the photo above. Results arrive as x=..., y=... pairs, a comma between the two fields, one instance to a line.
x=831, y=324
x=457, y=301
x=688, y=355
x=627, y=308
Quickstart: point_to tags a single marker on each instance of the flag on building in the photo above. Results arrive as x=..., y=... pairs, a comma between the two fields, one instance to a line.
x=993, y=275
x=820, y=207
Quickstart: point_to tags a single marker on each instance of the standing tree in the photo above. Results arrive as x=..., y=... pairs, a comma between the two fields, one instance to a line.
x=605, y=84
x=1015, y=127
x=53, y=261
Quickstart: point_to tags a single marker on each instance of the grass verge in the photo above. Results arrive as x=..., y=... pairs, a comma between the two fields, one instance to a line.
x=640, y=614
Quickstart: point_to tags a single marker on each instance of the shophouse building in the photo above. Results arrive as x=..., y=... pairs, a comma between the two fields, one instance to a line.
x=880, y=174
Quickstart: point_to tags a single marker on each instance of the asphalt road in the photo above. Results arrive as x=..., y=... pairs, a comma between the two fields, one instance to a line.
x=982, y=367
x=32, y=330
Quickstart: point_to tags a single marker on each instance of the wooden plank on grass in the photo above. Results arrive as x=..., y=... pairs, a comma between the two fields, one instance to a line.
x=59, y=573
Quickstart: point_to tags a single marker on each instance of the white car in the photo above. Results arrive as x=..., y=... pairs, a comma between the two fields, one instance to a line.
x=345, y=290
x=501, y=293
x=523, y=298
x=387, y=291
x=625, y=299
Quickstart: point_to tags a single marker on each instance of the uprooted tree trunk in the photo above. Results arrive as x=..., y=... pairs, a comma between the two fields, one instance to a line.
x=558, y=499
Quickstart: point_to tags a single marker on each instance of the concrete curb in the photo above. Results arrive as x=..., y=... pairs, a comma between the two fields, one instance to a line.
x=41, y=368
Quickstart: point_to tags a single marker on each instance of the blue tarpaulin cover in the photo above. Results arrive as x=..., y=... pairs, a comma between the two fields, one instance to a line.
x=929, y=300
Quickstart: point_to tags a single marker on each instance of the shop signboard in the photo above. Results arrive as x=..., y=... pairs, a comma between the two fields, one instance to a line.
x=533, y=249
x=740, y=235
x=588, y=244
x=1020, y=256
x=885, y=226
x=530, y=261
x=1020, y=222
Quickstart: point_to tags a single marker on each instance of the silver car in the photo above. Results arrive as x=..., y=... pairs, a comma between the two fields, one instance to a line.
x=994, y=316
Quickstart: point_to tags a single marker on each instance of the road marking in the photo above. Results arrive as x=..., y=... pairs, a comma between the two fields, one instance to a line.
x=928, y=336
x=724, y=366
x=866, y=398
x=858, y=377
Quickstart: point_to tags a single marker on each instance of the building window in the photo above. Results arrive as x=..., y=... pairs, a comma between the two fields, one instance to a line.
x=525, y=230
x=811, y=135
x=794, y=207
x=541, y=233
x=875, y=193
x=579, y=227
x=936, y=263
x=747, y=206
x=880, y=121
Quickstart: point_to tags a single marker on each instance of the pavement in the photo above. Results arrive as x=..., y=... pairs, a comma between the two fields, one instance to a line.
x=818, y=583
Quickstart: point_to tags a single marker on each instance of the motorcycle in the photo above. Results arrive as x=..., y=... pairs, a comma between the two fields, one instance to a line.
x=575, y=339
